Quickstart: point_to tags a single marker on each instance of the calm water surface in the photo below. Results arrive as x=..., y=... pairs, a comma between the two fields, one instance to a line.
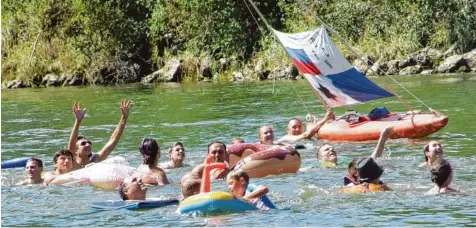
x=38, y=122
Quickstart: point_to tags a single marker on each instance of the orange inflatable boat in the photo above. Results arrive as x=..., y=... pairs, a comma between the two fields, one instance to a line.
x=405, y=126
x=273, y=160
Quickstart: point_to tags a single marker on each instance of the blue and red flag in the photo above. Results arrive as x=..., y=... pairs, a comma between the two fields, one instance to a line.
x=326, y=69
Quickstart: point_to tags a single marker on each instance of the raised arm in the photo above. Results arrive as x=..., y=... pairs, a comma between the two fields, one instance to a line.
x=116, y=135
x=381, y=143
x=313, y=131
x=258, y=192
x=79, y=114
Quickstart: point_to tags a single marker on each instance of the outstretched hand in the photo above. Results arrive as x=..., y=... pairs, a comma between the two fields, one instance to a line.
x=78, y=113
x=125, y=107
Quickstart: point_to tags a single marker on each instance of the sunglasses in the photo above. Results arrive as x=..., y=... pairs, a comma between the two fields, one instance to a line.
x=83, y=143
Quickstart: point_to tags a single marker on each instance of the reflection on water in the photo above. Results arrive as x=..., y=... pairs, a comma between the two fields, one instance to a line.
x=38, y=122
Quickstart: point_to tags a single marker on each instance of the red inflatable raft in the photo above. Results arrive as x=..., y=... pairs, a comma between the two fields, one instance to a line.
x=405, y=126
x=262, y=160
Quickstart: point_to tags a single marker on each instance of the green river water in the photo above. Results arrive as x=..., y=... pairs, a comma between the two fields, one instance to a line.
x=38, y=122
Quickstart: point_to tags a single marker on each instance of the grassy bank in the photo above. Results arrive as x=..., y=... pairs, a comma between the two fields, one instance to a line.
x=99, y=41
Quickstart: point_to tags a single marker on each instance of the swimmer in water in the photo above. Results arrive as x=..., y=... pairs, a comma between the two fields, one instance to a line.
x=63, y=163
x=176, y=156
x=238, y=181
x=217, y=152
x=327, y=155
x=295, y=132
x=442, y=176
x=148, y=170
x=238, y=140
x=33, y=171
x=132, y=188
x=81, y=147
x=432, y=151
x=266, y=135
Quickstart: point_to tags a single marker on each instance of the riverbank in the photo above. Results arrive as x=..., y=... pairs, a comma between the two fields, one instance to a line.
x=425, y=62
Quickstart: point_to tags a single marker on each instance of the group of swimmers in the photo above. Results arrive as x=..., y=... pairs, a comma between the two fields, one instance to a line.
x=361, y=172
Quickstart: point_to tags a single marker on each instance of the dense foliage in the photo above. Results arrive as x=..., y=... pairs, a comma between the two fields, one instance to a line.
x=124, y=40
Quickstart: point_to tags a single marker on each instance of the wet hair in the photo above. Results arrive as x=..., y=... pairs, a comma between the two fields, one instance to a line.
x=38, y=161
x=238, y=173
x=65, y=152
x=353, y=164
x=440, y=172
x=176, y=144
x=426, y=149
x=216, y=142
x=122, y=191
x=81, y=137
x=238, y=140
x=149, y=150
x=319, y=149
x=190, y=187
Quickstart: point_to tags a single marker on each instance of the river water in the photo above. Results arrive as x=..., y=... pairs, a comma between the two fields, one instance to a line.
x=38, y=122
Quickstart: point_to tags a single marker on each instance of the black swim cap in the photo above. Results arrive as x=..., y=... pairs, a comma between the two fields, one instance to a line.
x=369, y=169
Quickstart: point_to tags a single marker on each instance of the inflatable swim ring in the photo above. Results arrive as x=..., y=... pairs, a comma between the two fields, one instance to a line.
x=274, y=160
x=357, y=189
x=239, y=151
x=15, y=163
x=215, y=202
x=105, y=175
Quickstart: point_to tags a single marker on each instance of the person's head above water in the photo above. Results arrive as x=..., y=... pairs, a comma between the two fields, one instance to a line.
x=441, y=173
x=84, y=147
x=237, y=181
x=33, y=170
x=132, y=188
x=432, y=151
x=218, y=151
x=369, y=170
x=238, y=140
x=326, y=153
x=177, y=154
x=150, y=151
x=295, y=127
x=63, y=161
x=266, y=135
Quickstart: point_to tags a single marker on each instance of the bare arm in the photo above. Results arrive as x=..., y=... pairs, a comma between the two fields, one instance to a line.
x=381, y=143
x=79, y=114
x=116, y=135
x=258, y=192
x=313, y=131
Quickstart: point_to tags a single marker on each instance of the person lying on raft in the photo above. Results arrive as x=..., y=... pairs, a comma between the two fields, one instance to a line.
x=176, y=156
x=238, y=181
x=191, y=182
x=442, y=175
x=351, y=178
x=63, y=163
x=82, y=147
x=295, y=132
x=217, y=153
x=33, y=171
x=432, y=151
x=133, y=188
x=148, y=170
